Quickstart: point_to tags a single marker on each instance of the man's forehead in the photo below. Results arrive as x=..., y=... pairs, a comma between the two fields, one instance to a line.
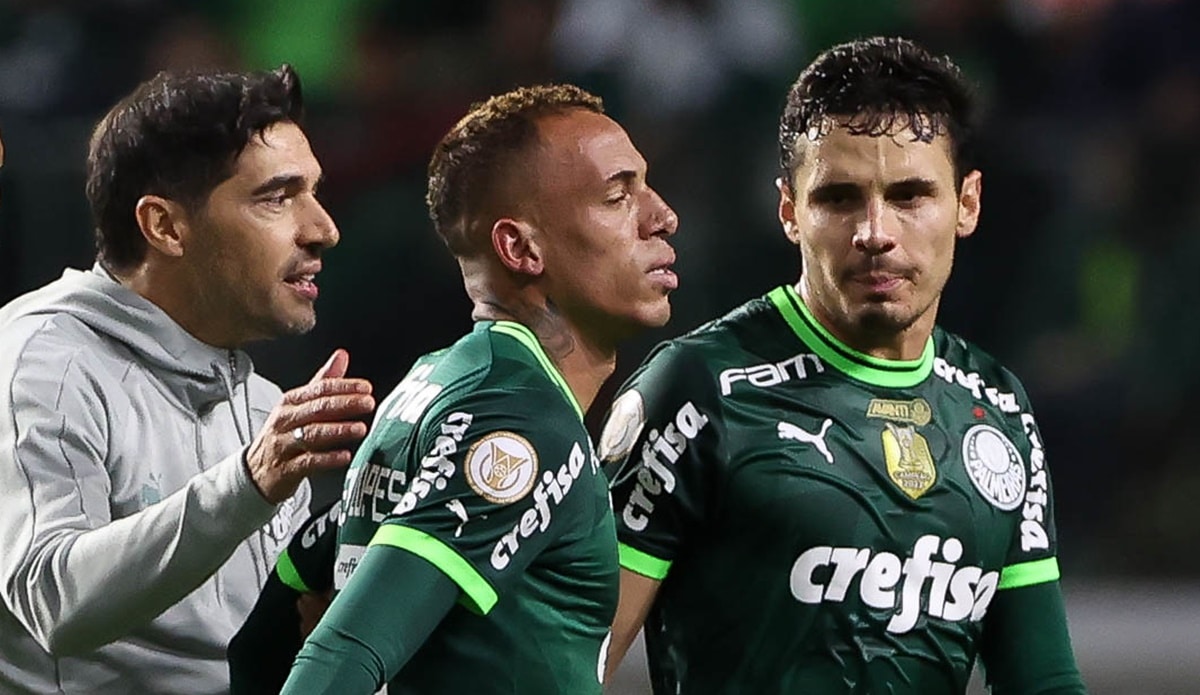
x=589, y=141
x=280, y=147
x=841, y=152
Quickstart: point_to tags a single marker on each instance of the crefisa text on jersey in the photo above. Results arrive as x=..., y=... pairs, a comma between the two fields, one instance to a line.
x=655, y=475
x=549, y=492
x=825, y=573
x=377, y=488
x=1033, y=528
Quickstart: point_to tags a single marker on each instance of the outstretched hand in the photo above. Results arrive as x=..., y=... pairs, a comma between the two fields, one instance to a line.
x=312, y=429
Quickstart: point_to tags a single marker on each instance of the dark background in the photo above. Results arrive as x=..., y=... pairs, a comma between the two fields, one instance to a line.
x=1081, y=278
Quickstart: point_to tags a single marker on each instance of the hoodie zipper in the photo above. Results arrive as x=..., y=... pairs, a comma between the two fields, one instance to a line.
x=231, y=388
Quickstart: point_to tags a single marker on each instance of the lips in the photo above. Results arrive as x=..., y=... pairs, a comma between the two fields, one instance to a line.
x=662, y=275
x=878, y=282
x=303, y=281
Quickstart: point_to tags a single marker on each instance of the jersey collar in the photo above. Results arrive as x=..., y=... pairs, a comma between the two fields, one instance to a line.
x=872, y=370
x=526, y=338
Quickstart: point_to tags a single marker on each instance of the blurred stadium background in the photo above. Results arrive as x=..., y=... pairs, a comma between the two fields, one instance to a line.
x=1082, y=277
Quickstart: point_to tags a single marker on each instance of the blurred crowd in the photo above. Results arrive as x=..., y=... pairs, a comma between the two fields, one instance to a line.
x=1080, y=277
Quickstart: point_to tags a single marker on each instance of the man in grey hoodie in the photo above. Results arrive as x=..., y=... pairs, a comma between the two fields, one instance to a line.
x=140, y=512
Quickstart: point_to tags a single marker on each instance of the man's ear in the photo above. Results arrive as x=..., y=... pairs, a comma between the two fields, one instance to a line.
x=787, y=211
x=515, y=243
x=969, y=199
x=164, y=224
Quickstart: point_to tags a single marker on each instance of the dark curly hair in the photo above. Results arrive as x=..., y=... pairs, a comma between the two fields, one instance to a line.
x=479, y=149
x=880, y=86
x=177, y=136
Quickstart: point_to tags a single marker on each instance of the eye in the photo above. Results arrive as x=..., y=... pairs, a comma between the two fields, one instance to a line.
x=836, y=197
x=277, y=201
x=909, y=194
x=617, y=198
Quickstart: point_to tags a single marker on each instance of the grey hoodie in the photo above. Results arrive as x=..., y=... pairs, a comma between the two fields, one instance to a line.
x=132, y=541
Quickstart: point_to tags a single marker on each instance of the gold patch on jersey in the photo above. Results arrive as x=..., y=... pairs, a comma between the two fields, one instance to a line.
x=916, y=411
x=502, y=467
x=909, y=462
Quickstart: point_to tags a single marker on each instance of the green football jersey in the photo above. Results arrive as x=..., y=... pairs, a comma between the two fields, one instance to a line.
x=479, y=462
x=823, y=521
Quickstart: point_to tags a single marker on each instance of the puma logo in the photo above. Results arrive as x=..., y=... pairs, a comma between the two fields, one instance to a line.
x=789, y=431
x=457, y=508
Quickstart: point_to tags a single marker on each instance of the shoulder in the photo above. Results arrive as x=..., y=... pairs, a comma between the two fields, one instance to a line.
x=732, y=334
x=959, y=361
x=59, y=350
x=696, y=363
x=486, y=383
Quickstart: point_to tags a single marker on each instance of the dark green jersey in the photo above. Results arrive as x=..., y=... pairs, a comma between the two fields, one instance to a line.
x=479, y=463
x=823, y=521
x=261, y=653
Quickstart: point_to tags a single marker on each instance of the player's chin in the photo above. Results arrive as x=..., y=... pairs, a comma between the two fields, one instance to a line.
x=655, y=314
x=890, y=317
x=295, y=321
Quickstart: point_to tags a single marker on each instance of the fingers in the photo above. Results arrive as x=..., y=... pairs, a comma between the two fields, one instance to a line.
x=325, y=409
x=312, y=462
x=326, y=387
x=334, y=368
x=314, y=428
x=326, y=436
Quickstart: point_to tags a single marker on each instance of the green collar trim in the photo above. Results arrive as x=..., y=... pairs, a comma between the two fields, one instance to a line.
x=526, y=337
x=865, y=368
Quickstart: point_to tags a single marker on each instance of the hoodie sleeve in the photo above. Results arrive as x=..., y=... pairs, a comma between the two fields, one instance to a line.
x=75, y=577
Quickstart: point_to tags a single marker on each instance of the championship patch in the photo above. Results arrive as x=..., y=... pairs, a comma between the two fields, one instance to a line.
x=625, y=421
x=909, y=462
x=994, y=466
x=501, y=467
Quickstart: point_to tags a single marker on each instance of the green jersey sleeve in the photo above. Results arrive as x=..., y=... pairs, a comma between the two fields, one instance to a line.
x=662, y=447
x=1032, y=553
x=1025, y=646
x=491, y=488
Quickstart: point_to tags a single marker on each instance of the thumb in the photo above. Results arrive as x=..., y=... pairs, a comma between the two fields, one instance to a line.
x=334, y=368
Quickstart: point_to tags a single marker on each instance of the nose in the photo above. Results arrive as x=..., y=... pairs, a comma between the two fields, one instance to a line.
x=874, y=233
x=318, y=229
x=660, y=218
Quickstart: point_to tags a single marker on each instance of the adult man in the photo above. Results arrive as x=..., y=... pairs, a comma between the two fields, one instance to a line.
x=139, y=513
x=823, y=491
x=492, y=547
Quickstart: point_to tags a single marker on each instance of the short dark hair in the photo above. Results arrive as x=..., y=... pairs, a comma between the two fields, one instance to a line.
x=471, y=157
x=177, y=136
x=882, y=85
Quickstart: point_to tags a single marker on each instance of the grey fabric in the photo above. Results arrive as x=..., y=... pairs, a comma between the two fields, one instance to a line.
x=132, y=541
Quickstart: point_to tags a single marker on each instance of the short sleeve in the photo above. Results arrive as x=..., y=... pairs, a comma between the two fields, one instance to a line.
x=499, y=473
x=1032, y=556
x=661, y=446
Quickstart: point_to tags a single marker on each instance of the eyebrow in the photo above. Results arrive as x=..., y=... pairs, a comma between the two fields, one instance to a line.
x=832, y=188
x=914, y=183
x=625, y=177
x=283, y=181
